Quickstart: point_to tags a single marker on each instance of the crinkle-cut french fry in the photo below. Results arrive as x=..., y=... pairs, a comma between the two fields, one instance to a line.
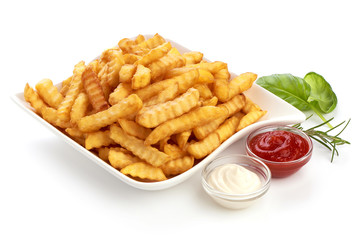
x=75, y=132
x=154, y=54
x=109, y=74
x=51, y=116
x=228, y=128
x=192, y=57
x=129, y=46
x=131, y=58
x=125, y=107
x=141, y=77
x=221, y=85
x=177, y=166
x=202, y=131
x=98, y=139
x=32, y=97
x=103, y=153
x=134, y=129
x=152, y=116
x=209, y=102
x=250, y=118
x=137, y=147
x=95, y=66
x=204, y=147
x=119, y=159
x=232, y=106
x=174, y=151
x=167, y=95
x=204, y=90
x=74, y=90
x=122, y=91
x=126, y=73
x=187, y=121
x=205, y=76
x=144, y=171
x=177, y=71
x=182, y=138
x=175, y=51
x=139, y=39
x=79, y=108
x=153, y=42
x=213, y=140
x=241, y=83
x=184, y=81
x=213, y=67
x=249, y=106
x=164, y=64
x=49, y=93
x=93, y=89
x=65, y=85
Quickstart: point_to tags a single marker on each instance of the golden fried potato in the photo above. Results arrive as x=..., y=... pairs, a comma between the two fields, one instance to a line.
x=32, y=97
x=98, y=139
x=144, y=171
x=153, y=42
x=126, y=72
x=167, y=95
x=74, y=90
x=49, y=93
x=125, y=107
x=122, y=91
x=177, y=166
x=154, y=54
x=141, y=77
x=250, y=118
x=187, y=121
x=79, y=108
x=241, y=83
x=119, y=159
x=149, y=154
x=94, y=90
x=193, y=57
x=134, y=129
x=164, y=64
x=152, y=116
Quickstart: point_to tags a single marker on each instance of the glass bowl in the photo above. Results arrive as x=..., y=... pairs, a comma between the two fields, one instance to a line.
x=281, y=169
x=237, y=201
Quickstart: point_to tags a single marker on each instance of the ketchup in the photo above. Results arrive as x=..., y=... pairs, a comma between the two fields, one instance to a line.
x=279, y=146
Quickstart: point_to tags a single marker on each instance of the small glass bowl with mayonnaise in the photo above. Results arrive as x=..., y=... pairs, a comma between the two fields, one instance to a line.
x=236, y=181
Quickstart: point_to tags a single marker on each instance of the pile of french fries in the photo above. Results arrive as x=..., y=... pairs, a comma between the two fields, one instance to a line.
x=146, y=109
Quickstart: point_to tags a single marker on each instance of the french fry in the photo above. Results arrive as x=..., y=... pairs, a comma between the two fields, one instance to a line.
x=126, y=73
x=98, y=139
x=125, y=107
x=141, y=77
x=167, y=95
x=65, y=86
x=33, y=98
x=205, y=76
x=177, y=166
x=50, y=115
x=79, y=108
x=74, y=89
x=93, y=89
x=192, y=57
x=184, y=81
x=209, y=102
x=49, y=93
x=204, y=90
x=152, y=116
x=137, y=147
x=119, y=159
x=154, y=54
x=109, y=74
x=122, y=91
x=144, y=171
x=204, y=147
x=164, y=64
x=182, y=138
x=187, y=121
x=241, y=83
x=250, y=118
x=134, y=129
x=153, y=42
x=174, y=151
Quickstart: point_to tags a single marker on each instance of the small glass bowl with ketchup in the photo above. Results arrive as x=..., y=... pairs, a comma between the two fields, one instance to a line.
x=283, y=149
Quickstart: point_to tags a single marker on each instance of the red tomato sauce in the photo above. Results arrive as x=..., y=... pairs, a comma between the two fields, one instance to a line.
x=279, y=146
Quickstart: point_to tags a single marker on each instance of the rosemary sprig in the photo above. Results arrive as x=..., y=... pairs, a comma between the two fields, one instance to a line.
x=324, y=138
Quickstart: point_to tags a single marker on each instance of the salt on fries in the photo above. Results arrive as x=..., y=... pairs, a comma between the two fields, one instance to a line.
x=147, y=110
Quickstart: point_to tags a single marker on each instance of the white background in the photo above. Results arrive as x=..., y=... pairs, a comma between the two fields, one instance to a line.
x=50, y=191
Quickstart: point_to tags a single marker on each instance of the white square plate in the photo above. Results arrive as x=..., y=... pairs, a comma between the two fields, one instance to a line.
x=279, y=112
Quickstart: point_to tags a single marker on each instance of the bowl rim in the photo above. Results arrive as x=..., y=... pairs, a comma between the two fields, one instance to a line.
x=284, y=128
x=238, y=197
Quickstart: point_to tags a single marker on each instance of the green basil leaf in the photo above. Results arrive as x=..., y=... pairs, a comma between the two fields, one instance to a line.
x=292, y=89
x=322, y=95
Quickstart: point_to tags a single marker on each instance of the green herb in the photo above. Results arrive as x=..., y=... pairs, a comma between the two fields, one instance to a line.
x=311, y=93
x=324, y=138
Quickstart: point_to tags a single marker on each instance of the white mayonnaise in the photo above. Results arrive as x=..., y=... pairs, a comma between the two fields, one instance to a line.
x=234, y=179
